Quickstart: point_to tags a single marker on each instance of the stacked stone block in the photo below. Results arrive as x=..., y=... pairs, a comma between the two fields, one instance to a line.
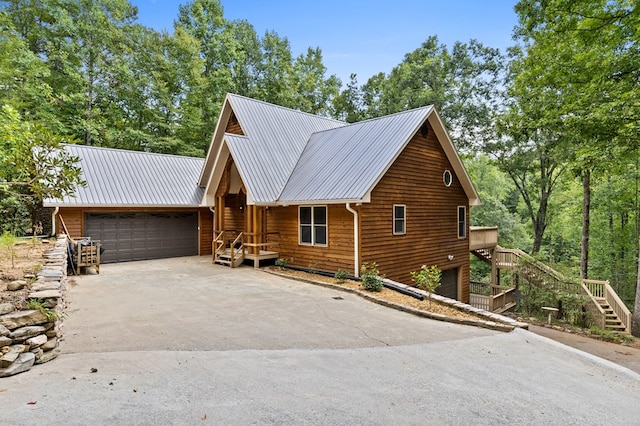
x=29, y=337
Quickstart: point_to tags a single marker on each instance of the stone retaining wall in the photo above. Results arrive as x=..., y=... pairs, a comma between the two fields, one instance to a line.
x=29, y=337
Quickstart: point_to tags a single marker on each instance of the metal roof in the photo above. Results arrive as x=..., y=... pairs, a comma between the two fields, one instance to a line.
x=276, y=137
x=346, y=163
x=120, y=178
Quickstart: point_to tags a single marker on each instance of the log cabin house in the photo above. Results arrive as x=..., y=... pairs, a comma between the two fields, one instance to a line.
x=320, y=193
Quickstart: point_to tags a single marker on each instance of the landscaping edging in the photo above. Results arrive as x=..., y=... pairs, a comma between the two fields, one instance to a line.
x=493, y=321
x=29, y=337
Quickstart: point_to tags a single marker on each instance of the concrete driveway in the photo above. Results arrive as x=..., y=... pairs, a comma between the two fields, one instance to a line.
x=181, y=341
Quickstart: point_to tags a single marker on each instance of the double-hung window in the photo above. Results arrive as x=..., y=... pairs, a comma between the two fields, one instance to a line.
x=399, y=219
x=313, y=225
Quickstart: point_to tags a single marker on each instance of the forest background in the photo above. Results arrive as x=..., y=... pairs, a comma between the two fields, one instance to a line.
x=548, y=129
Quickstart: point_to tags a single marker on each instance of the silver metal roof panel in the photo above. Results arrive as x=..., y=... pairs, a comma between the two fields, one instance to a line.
x=275, y=138
x=347, y=162
x=117, y=178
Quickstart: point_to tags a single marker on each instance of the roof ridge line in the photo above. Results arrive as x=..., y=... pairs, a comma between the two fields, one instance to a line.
x=130, y=151
x=287, y=108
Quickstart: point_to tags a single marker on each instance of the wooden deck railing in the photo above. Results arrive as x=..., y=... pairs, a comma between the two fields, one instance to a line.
x=491, y=297
x=483, y=237
x=542, y=275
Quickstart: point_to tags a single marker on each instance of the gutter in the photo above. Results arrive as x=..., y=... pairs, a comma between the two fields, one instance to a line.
x=53, y=220
x=356, y=242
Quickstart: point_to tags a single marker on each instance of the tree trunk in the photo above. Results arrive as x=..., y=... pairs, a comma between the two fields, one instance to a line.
x=586, y=210
x=635, y=317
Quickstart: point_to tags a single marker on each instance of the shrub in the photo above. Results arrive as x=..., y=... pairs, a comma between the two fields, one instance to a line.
x=427, y=279
x=341, y=276
x=281, y=262
x=371, y=280
x=7, y=242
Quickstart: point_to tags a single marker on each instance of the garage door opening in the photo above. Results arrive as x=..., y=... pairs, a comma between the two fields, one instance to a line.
x=128, y=236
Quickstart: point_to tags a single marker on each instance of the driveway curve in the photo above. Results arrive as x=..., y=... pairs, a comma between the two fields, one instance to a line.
x=188, y=304
x=184, y=342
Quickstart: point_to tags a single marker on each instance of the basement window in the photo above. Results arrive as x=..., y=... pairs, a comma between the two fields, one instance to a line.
x=313, y=225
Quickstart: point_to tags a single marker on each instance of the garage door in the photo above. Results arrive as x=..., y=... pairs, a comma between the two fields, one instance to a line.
x=140, y=236
x=449, y=284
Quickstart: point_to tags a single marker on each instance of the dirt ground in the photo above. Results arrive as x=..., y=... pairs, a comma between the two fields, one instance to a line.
x=27, y=259
x=389, y=295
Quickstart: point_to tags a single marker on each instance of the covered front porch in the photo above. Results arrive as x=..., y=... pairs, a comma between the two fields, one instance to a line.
x=240, y=226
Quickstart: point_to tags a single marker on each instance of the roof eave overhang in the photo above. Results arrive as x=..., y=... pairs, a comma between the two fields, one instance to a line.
x=123, y=206
x=216, y=140
x=365, y=199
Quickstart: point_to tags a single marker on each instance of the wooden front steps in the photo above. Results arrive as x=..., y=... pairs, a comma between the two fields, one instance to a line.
x=612, y=321
x=225, y=258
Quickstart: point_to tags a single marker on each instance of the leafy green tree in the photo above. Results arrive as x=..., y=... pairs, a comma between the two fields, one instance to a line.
x=22, y=73
x=275, y=72
x=314, y=91
x=462, y=82
x=586, y=54
x=33, y=164
x=348, y=105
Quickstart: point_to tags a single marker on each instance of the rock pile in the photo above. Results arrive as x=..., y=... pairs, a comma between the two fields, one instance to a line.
x=29, y=337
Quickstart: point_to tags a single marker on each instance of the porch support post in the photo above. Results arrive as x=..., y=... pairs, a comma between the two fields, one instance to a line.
x=494, y=268
x=356, y=241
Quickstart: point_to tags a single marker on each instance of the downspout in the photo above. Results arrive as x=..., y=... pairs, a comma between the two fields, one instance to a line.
x=53, y=220
x=356, y=241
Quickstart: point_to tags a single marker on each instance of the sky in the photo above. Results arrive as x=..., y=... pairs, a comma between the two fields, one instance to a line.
x=356, y=36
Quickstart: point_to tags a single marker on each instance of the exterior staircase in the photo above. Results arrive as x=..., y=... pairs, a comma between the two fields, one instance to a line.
x=606, y=309
x=232, y=255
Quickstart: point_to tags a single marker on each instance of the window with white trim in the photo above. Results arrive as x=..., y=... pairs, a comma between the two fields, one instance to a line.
x=399, y=219
x=313, y=225
x=462, y=222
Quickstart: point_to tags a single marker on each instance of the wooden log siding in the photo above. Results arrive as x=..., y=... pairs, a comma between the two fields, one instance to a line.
x=74, y=220
x=233, y=126
x=337, y=255
x=416, y=180
x=205, y=222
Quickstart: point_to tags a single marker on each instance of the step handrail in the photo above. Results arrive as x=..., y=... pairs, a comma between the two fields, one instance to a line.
x=618, y=306
x=602, y=289
x=239, y=250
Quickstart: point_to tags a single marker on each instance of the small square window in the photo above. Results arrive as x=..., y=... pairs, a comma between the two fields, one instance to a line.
x=399, y=219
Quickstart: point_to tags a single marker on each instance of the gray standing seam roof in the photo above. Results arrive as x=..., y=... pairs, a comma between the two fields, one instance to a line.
x=120, y=178
x=346, y=163
x=278, y=136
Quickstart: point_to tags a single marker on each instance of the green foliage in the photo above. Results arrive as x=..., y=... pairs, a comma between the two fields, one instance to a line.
x=341, y=276
x=7, y=243
x=427, y=279
x=14, y=215
x=571, y=305
x=371, y=280
x=461, y=81
x=610, y=336
x=39, y=304
x=282, y=262
x=33, y=164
